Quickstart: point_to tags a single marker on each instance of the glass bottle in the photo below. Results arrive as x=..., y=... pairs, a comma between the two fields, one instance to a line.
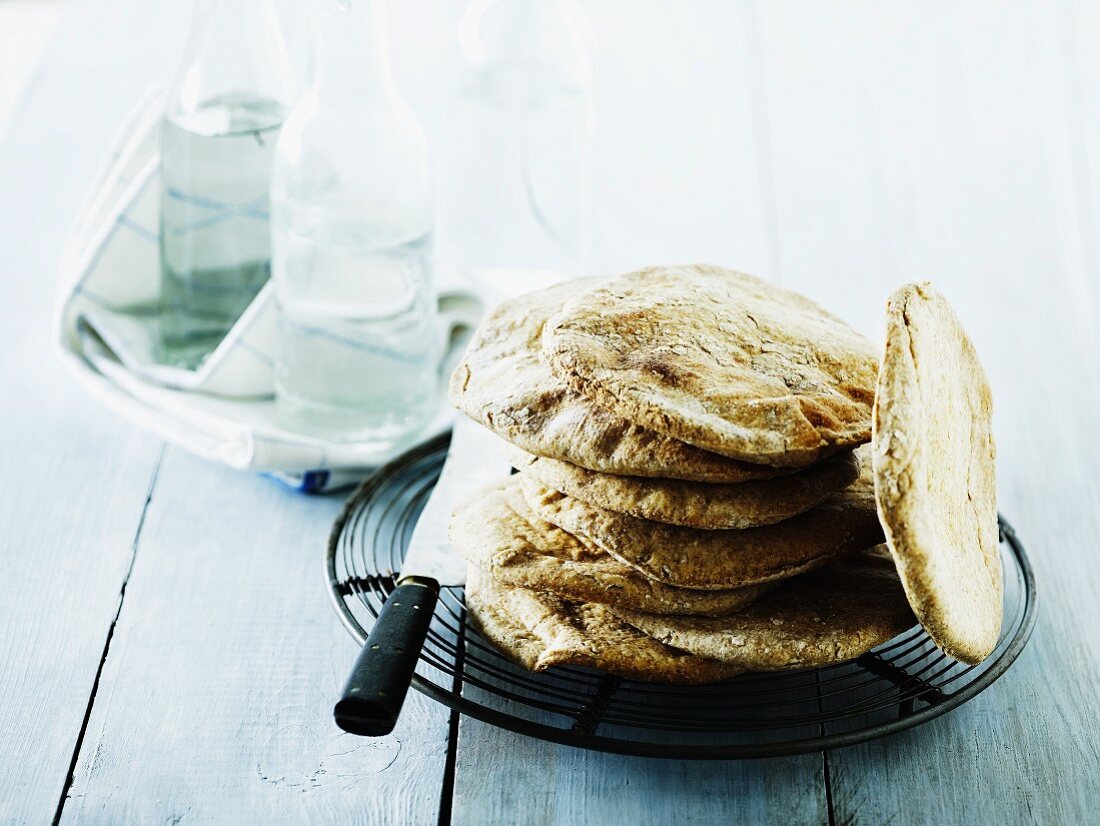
x=517, y=167
x=232, y=92
x=352, y=214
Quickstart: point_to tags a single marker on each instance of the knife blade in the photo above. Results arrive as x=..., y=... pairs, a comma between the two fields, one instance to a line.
x=474, y=459
x=372, y=698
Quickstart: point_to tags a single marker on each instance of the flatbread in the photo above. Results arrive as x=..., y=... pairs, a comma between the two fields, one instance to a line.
x=934, y=473
x=538, y=631
x=834, y=614
x=720, y=360
x=502, y=384
x=495, y=530
x=694, y=504
x=693, y=558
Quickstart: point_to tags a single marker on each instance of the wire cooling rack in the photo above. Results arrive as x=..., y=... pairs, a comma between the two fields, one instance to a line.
x=900, y=684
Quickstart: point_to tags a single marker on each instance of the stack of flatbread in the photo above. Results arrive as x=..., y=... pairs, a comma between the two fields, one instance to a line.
x=692, y=498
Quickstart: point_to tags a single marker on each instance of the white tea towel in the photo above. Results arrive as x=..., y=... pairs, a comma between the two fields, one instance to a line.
x=224, y=410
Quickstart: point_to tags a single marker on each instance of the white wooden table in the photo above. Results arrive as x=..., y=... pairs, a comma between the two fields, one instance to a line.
x=167, y=649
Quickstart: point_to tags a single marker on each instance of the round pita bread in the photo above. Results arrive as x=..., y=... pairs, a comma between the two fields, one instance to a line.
x=693, y=558
x=694, y=504
x=934, y=473
x=502, y=384
x=834, y=614
x=538, y=631
x=720, y=360
x=495, y=530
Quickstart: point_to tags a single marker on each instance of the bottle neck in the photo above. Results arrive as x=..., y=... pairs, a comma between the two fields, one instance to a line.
x=234, y=50
x=351, y=50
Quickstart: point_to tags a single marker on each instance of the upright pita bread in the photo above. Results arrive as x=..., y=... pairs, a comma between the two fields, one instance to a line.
x=935, y=478
x=833, y=614
x=495, y=530
x=693, y=558
x=502, y=384
x=720, y=360
x=538, y=631
x=694, y=504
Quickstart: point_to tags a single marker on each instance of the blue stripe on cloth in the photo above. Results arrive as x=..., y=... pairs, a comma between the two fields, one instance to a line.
x=257, y=353
x=125, y=220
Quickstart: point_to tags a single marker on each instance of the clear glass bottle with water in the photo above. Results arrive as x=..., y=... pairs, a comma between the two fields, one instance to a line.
x=517, y=163
x=218, y=136
x=352, y=217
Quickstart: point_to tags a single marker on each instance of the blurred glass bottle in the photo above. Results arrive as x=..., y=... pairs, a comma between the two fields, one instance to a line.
x=218, y=135
x=517, y=168
x=352, y=213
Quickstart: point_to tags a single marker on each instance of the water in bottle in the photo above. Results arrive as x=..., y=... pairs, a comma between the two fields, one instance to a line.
x=232, y=92
x=352, y=213
x=358, y=346
x=215, y=241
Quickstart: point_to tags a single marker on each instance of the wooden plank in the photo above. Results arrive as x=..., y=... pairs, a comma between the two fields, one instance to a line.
x=897, y=145
x=677, y=172
x=73, y=483
x=26, y=28
x=66, y=551
x=216, y=697
x=912, y=144
x=703, y=204
x=503, y=777
x=1077, y=35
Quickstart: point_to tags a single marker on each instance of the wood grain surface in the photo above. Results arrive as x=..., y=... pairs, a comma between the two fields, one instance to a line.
x=947, y=162
x=216, y=697
x=167, y=651
x=73, y=486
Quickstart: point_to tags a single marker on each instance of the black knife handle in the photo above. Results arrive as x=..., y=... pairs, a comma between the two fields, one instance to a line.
x=372, y=698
